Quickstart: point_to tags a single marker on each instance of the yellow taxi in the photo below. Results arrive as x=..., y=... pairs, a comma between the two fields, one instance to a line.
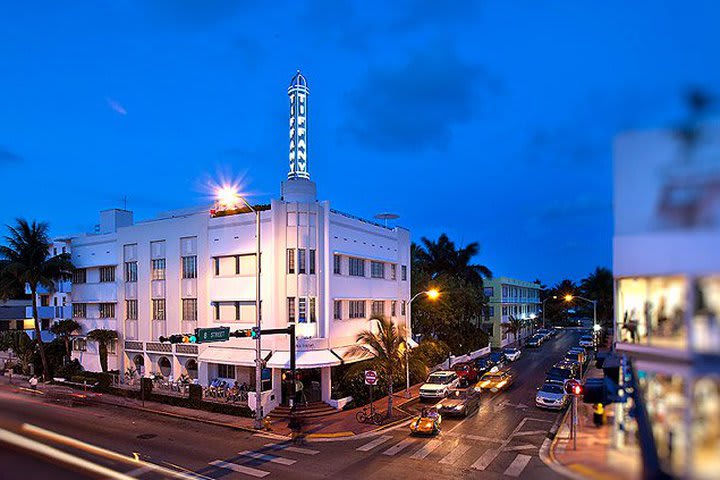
x=426, y=423
x=494, y=381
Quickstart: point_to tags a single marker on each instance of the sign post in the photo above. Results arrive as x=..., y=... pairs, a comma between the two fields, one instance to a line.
x=371, y=379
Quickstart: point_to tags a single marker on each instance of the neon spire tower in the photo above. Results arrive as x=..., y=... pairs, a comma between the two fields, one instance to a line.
x=298, y=92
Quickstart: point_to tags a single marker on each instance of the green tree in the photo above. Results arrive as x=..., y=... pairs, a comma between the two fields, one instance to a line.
x=598, y=286
x=26, y=260
x=20, y=343
x=443, y=258
x=514, y=327
x=385, y=340
x=64, y=329
x=103, y=337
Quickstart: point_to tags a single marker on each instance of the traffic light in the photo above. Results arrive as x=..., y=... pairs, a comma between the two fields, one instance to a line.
x=253, y=333
x=573, y=387
x=179, y=338
x=577, y=389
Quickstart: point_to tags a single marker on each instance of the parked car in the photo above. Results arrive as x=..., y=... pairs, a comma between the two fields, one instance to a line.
x=552, y=396
x=483, y=365
x=498, y=359
x=534, y=342
x=577, y=351
x=439, y=384
x=512, y=354
x=587, y=341
x=494, y=381
x=461, y=402
x=466, y=372
x=563, y=371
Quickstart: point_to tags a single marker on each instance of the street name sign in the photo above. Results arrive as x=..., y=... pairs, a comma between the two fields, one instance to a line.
x=214, y=334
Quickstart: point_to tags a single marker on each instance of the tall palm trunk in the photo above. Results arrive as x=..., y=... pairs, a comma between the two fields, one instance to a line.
x=390, y=396
x=36, y=320
x=103, y=351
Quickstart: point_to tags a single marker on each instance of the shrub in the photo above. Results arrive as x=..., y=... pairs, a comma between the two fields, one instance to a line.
x=69, y=370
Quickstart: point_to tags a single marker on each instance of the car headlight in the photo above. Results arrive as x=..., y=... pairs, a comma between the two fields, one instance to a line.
x=459, y=407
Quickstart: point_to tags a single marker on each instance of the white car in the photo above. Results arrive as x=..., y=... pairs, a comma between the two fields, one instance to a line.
x=587, y=341
x=512, y=354
x=439, y=384
x=552, y=396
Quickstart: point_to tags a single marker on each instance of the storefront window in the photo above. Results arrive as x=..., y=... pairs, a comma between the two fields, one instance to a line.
x=652, y=311
x=706, y=428
x=706, y=320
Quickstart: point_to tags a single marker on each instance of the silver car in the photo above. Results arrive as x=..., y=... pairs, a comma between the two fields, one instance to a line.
x=552, y=396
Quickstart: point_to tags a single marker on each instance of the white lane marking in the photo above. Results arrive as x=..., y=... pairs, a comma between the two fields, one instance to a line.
x=286, y=448
x=486, y=458
x=472, y=437
x=455, y=454
x=426, y=449
x=378, y=441
x=266, y=457
x=139, y=471
x=253, y=472
x=531, y=432
x=398, y=447
x=60, y=456
x=517, y=465
x=519, y=447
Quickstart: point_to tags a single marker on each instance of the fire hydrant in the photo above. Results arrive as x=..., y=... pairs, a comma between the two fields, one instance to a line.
x=598, y=415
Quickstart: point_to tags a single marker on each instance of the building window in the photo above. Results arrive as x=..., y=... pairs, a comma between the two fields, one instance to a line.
x=189, y=309
x=107, y=274
x=130, y=272
x=158, y=309
x=158, y=269
x=356, y=267
x=403, y=272
x=189, y=267
x=80, y=345
x=112, y=347
x=311, y=308
x=79, y=310
x=377, y=270
x=337, y=309
x=312, y=261
x=226, y=266
x=226, y=371
x=291, y=309
x=489, y=291
x=393, y=308
x=393, y=271
x=357, y=308
x=301, y=261
x=79, y=275
x=403, y=307
x=131, y=309
x=302, y=309
x=491, y=311
x=107, y=310
x=290, y=260
x=377, y=307
x=337, y=262
x=504, y=310
x=44, y=300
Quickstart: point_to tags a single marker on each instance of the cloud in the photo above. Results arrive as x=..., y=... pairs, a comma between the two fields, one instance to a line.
x=413, y=107
x=8, y=157
x=115, y=105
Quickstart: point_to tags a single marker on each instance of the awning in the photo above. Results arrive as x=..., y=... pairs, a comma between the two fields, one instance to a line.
x=231, y=356
x=352, y=353
x=304, y=359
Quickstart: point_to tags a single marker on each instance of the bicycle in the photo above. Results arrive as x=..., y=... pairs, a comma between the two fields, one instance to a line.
x=369, y=415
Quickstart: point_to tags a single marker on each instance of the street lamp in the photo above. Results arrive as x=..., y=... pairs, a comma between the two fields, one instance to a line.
x=569, y=298
x=432, y=294
x=554, y=297
x=229, y=198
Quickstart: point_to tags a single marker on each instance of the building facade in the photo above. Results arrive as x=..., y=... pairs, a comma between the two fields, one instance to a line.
x=667, y=292
x=508, y=297
x=322, y=270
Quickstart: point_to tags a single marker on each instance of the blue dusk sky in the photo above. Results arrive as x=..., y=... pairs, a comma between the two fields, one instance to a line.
x=492, y=121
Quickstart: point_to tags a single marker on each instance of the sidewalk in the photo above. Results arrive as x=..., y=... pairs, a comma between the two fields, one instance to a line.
x=341, y=424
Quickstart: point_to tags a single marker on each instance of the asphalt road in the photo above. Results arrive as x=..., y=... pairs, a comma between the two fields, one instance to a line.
x=501, y=441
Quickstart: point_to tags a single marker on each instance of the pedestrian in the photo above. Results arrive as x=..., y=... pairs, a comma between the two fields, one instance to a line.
x=598, y=415
x=33, y=382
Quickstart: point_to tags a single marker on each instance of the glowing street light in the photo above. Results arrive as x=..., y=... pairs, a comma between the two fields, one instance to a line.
x=554, y=297
x=432, y=294
x=569, y=298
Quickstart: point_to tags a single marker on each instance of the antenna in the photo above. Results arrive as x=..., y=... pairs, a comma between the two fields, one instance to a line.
x=125, y=202
x=387, y=216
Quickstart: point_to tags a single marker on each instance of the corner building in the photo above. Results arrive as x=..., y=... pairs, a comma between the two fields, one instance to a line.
x=323, y=270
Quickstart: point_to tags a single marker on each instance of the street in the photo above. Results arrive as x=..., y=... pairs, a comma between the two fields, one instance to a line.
x=502, y=440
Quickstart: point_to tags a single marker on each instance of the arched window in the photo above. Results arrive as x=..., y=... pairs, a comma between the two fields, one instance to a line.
x=165, y=366
x=192, y=368
x=139, y=363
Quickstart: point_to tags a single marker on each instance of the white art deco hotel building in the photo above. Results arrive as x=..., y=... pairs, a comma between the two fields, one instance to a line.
x=325, y=271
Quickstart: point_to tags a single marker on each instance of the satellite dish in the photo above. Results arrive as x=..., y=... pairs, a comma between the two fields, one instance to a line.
x=387, y=216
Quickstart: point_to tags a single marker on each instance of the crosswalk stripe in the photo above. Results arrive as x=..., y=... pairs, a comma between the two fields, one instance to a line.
x=401, y=445
x=426, y=449
x=287, y=448
x=378, y=441
x=519, y=447
x=533, y=432
x=485, y=460
x=455, y=454
x=517, y=465
x=253, y=472
x=266, y=457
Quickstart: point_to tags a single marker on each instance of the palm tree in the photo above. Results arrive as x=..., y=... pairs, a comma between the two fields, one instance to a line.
x=514, y=327
x=388, y=346
x=599, y=286
x=103, y=337
x=21, y=345
x=26, y=260
x=442, y=257
x=64, y=329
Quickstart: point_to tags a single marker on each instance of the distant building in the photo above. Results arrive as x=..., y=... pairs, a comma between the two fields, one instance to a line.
x=667, y=290
x=323, y=270
x=507, y=298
